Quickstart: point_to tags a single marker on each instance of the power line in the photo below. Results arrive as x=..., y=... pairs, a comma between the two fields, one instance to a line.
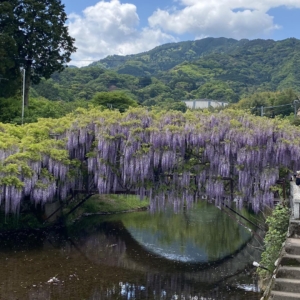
x=274, y=108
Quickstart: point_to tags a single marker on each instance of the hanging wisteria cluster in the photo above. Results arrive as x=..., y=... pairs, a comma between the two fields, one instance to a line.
x=170, y=157
x=33, y=166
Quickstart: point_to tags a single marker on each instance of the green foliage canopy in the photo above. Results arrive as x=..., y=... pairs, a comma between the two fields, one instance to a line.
x=114, y=100
x=274, y=103
x=9, y=71
x=40, y=34
x=218, y=69
x=11, y=109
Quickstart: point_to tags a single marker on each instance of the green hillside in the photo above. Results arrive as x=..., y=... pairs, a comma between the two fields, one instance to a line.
x=258, y=65
x=167, y=56
x=221, y=69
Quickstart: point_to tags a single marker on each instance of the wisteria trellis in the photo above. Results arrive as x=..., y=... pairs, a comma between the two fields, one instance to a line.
x=170, y=157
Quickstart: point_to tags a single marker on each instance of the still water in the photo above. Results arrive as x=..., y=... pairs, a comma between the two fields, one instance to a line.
x=198, y=254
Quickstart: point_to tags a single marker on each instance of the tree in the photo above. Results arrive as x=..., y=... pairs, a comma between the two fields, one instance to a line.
x=145, y=81
x=9, y=66
x=115, y=100
x=41, y=37
x=170, y=104
x=217, y=90
x=9, y=71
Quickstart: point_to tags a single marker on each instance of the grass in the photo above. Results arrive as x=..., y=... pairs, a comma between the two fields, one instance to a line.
x=106, y=204
x=109, y=204
x=114, y=203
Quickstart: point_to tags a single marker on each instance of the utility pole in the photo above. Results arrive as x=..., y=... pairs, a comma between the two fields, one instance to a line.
x=295, y=107
x=263, y=108
x=261, y=111
x=23, y=98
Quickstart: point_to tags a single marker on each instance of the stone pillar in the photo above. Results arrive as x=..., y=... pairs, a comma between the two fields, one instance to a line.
x=295, y=200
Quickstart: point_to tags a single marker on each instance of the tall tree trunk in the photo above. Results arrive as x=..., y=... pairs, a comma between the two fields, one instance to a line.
x=27, y=83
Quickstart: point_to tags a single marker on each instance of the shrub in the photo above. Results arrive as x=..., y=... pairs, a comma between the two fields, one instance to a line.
x=278, y=224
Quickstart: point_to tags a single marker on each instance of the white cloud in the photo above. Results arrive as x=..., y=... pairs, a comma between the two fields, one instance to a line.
x=111, y=28
x=228, y=18
x=254, y=4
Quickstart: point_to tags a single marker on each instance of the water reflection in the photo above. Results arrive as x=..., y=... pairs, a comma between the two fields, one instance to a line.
x=204, y=234
x=110, y=258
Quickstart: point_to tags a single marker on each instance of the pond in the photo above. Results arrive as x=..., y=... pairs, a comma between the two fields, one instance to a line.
x=201, y=253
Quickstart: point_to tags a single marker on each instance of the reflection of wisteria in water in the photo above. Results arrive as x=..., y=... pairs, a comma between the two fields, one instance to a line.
x=175, y=287
x=106, y=262
x=193, y=284
x=100, y=248
x=155, y=286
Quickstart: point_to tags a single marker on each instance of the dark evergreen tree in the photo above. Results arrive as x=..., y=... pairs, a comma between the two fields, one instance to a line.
x=40, y=34
x=9, y=69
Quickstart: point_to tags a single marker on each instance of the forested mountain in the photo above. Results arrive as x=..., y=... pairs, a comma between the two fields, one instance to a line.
x=167, y=56
x=221, y=69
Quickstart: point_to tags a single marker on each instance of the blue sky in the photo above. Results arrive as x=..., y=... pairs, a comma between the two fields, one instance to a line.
x=121, y=27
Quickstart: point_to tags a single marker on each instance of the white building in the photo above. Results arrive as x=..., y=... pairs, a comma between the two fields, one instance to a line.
x=204, y=103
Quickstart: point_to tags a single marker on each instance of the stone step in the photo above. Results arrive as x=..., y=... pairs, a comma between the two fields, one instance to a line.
x=288, y=272
x=290, y=260
x=287, y=285
x=292, y=246
x=275, y=295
